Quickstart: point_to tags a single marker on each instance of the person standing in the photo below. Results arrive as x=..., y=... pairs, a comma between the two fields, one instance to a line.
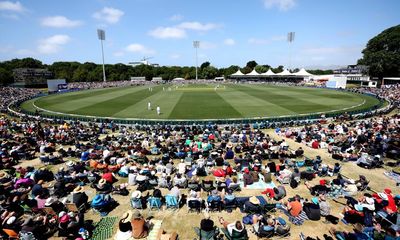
x=158, y=110
x=149, y=106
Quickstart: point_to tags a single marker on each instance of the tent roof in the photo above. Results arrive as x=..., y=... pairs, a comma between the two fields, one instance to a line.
x=285, y=72
x=302, y=72
x=253, y=73
x=268, y=73
x=238, y=73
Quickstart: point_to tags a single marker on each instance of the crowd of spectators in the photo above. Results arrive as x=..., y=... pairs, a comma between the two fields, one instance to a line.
x=202, y=168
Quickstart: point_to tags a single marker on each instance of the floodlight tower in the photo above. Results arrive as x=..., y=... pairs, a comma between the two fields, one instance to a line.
x=290, y=39
x=101, y=34
x=196, y=45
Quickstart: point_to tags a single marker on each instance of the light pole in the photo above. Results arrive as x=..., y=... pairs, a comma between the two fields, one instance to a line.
x=196, y=45
x=101, y=34
x=290, y=39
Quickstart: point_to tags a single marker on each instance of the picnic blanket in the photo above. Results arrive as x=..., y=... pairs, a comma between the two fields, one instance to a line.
x=156, y=226
x=260, y=185
x=393, y=175
x=104, y=228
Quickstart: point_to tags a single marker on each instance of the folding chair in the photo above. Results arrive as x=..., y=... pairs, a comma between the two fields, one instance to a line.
x=72, y=207
x=215, y=206
x=194, y=205
x=154, y=202
x=11, y=233
x=171, y=202
x=136, y=203
x=230, y=204
x=49, y=210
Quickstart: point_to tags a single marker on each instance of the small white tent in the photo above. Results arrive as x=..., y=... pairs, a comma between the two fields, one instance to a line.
x=268, y=73
x=238, y=73
x=253, y=73
x=285, y=72
x=302, y=72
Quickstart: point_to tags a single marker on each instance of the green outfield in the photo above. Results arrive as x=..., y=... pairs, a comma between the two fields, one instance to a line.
x=201, y=102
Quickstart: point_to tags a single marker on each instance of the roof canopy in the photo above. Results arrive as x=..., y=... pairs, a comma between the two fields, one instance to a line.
x=268, y=73
x=284, y=73
x=253, y=73
x=302, y=72
x=238, y=73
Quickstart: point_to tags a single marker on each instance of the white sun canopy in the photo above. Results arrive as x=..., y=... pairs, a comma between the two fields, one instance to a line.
x=284, y=73
x=302, y=72
x=238, y=73
x=268, y=73
x=253, y=73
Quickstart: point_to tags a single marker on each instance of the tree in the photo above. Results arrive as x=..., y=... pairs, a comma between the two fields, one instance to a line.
x=382, y=53
x=261, y=69
x=204, y=65
x=251, y=64
x=5, y=76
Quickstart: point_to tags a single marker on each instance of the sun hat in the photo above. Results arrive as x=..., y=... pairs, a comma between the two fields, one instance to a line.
x=136, y=194
x=50, y=201
x=314, y=200
x=127, y=217
x=3, y=175
x=254, y=200
x=70, y=164
x=61, y=214
x=383, y=196
x=11, y=220
x=102, y=182
x=387, y=191
x=136, y=214
x=78, y=189
x=206, y=215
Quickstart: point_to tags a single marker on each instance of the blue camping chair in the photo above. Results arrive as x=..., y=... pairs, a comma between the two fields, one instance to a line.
x=171, y=202
x=154, y=202
x=300, y=163
x=136, y=203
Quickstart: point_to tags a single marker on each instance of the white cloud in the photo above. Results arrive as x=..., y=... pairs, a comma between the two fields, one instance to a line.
x=52, y=44
x=59, y=22
x=282, y=5
x=167, y=32
x=198, y=26
x=176, y=17
x=229, y=42
x=118, y=54
x=25, y=52
x=11, y=6
x=207, y=45
x=175, y=56
x=139, y=48
x=258, y=41
x=109, y=15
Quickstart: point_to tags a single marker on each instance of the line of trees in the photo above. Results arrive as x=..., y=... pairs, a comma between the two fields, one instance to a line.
x=90, y=72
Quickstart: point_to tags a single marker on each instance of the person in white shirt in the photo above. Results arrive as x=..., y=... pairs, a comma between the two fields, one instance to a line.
x=182, y=167
x=158, y=110
x=149, y=106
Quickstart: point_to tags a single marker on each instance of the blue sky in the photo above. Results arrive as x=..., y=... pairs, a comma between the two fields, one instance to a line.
x=231, y=32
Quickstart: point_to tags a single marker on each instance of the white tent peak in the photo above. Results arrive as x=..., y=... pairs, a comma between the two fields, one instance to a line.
x=302, y=72
x=268, y=73
x=238, y=73
x=285, y=72
x=253, y=73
